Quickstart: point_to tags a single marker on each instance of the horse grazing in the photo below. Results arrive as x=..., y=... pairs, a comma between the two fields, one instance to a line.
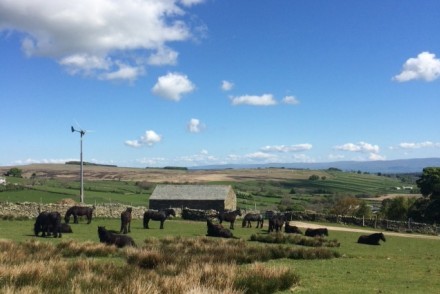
x=229, y=216
x=291, y=229
x=276, y=222
x=110, y=238
x=217, y=230
x=79, y=211
x=48, y=223
x=160, y=215
x=65, y=228
x=252, y=217
x=320, y=232
x=372, y=239
x=126, y=221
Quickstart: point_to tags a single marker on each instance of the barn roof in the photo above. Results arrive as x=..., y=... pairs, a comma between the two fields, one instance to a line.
x=190, y=192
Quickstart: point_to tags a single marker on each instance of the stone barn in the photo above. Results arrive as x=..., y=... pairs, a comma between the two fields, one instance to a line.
x=218, y=197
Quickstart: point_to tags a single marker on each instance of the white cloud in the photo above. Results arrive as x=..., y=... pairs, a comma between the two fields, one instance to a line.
x=191, y=2
x=284, y=148
x=172, y=86
x=195, y=126
x=149, y=138
x=360, y=147
x=424, y=67
x=260, y=156
x=163, y=56
x=125, y=72
x=106, y=31
x=227, y=86
x=263, y=100
x=45, y=160
x=375, y=156
x=290, y=100
x=426, y=144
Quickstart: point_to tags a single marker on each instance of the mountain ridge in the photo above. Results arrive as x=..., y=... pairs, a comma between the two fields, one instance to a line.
x=413, y=165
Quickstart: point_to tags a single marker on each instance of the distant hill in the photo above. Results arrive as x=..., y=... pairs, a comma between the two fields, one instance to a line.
x=415, y=165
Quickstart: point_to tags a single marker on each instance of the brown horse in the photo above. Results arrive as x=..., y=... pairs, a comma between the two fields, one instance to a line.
x=79, y=211
x=48, y=223
x=252, y=217
x=229, y=216
x=372, y=239
x=291, y=229
x=276, y=223
x=319, y=232
x=110, y=238
x=126, y=221
x=160, y=215
x=217, y=230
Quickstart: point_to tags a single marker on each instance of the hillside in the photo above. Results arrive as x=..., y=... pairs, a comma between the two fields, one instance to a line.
x=255, y=188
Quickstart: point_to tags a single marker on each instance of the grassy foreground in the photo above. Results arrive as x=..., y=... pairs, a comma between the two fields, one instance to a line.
x=401, y=265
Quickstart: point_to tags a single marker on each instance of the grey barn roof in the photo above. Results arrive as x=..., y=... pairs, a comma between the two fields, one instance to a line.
x=190, y=192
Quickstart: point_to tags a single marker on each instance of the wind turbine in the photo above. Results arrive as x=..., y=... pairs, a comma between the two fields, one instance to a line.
x=82, y=133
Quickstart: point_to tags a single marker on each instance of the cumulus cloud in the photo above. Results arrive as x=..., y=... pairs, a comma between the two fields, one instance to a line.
x=227, y=86
x=263, y=100
x=173, y=86
x=284, y=148
x=424, y=67
x=260, y=156
x=290, y=100
x=149, y=138
x=360, y=147
x=419, y=145
x=195, y=126
x=104, y=33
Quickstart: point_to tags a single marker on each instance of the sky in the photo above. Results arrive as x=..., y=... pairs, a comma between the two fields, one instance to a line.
x=190, y=83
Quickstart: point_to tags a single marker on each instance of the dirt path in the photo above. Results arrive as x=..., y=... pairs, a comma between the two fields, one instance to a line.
x=333, y=228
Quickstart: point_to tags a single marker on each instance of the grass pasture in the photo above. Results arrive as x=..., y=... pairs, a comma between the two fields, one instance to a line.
x=400, y=265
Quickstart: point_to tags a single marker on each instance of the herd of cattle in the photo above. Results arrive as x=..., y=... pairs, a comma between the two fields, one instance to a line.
x=50, y=223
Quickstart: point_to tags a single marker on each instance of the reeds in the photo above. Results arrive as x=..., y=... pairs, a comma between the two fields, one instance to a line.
x=281, y=238
x=169, y=265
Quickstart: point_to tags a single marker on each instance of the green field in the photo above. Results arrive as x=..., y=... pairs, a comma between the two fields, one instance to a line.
x=400, y=265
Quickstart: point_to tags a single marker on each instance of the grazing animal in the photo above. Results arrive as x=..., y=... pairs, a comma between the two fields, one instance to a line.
x=126, y=221
x=320, y=232
x=79, y=211
x=160, y=215
x=250, y=217
x=291, y=229
x=48, y=223
x=65, y=228
x=276, y=222
x=372, y=239
x=217, y=230
x=110, y=238
x=229, y=216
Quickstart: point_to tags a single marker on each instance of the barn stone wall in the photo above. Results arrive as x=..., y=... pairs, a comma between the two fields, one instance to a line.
x=231, y=200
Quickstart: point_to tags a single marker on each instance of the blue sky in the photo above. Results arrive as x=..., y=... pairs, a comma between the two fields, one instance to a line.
x=193, y=82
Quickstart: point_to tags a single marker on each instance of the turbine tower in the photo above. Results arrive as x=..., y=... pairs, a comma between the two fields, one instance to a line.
x=82, y=133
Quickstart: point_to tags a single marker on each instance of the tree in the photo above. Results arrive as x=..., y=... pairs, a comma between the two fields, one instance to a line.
x=397, y=208
x=364, y=210
x=313, y=178
x=346, y=206
x=429, y=183
x=14, y=172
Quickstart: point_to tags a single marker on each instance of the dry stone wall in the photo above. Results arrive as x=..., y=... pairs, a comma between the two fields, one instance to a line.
x=31, y=210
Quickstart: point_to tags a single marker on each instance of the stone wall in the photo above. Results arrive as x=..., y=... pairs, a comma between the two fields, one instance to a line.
x=31, y=210
x=379, y=224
